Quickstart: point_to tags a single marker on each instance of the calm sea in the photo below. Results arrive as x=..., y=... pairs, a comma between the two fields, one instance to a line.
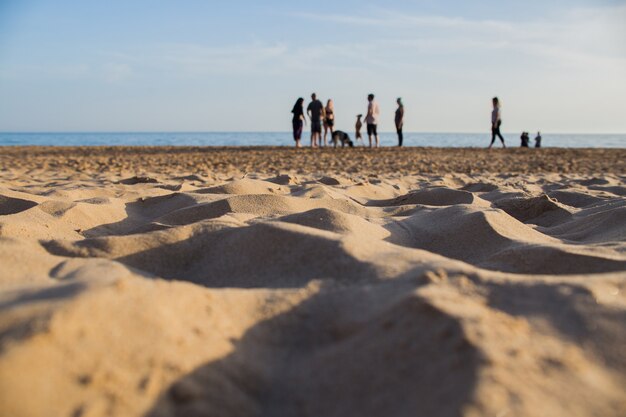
x=285, y=139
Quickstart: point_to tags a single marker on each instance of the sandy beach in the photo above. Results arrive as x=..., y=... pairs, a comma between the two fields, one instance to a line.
x=281, y=282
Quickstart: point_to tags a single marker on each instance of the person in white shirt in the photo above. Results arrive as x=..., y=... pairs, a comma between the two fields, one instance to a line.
x=373, y=111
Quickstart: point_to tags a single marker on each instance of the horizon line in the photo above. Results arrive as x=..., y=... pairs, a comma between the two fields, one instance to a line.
x=269, y=131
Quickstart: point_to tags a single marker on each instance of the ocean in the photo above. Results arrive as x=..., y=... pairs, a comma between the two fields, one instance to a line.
x=285, y=139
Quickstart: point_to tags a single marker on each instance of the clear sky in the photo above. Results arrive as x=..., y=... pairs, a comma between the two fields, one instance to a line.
x=239, y=65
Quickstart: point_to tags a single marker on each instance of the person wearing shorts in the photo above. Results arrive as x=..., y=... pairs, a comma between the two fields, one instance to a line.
x=315, y=110
x=371, y=119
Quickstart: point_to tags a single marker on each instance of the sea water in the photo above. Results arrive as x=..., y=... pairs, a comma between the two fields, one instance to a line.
x=285, y=139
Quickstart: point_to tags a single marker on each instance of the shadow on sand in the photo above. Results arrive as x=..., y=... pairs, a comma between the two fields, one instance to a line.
x=373, y=351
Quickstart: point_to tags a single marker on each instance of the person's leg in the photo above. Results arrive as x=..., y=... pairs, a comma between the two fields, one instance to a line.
x=369, y=133
x=297, y=132
x=493, y=136
x=500, y=136
x=399, y=129
x=376, y=135
x=325, y=133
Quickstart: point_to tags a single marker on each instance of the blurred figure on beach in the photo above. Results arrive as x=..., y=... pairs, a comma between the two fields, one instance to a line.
x=298, y=121
x=329, y=119
x=525, y=138
x=496, y=122
x=399, y=119
x=357, y=128
x=315, y=110
x=373, y=111
x=538, y=140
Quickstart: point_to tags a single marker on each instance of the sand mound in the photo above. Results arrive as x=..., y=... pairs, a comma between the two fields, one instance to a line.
x=542, y=210
x=241, y=187
x=575, y=199
x=360, y=293
x=338, y=222
x=606, y=226
x=205, y=256
x=259, y=205
x=438, y=196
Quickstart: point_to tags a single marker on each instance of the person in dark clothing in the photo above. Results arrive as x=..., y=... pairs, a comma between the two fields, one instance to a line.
x=315, y=110
x=298, y=121
x=496, y=122
x=538, y=140
x=525, y=139
x=399, y=119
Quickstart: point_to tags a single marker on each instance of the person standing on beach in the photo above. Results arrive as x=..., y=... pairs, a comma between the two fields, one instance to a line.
x=357, y=128
x=496, y=122
x=315, y=110
x=329, y=120
x=399, y=119
x=538, y=140
x=372, y=119
x=298, y=121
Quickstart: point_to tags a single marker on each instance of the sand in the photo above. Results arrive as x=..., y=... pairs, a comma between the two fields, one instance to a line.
x=274, y=282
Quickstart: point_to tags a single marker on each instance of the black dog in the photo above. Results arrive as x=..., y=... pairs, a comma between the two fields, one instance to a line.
x=338, y=135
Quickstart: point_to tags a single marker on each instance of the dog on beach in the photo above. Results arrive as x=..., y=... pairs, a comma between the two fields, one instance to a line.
x=343, y=137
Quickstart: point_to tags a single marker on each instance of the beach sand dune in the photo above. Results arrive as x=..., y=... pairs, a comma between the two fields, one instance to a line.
x=240, y=283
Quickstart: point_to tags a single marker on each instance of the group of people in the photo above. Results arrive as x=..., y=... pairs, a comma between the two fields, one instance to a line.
x=525, y=138
x=496, y=122
x=322, y=116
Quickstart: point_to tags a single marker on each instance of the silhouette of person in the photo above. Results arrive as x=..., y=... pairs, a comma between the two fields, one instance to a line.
x=525, y=139
x=373, y=111
x=399, y=119
x=315, y=110
x=329, y=119
x=298, y=121
x=538, y=140
x=496, y=122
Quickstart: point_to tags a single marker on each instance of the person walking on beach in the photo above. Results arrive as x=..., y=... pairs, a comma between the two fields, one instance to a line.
x=372, y=119
x=357, y=128
x=399, y=119
x=329, y=120
x=315, y=110
x=298, y=121
x=496, y=122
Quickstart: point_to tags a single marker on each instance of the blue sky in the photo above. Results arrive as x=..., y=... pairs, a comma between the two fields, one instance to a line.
x=558, y=66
